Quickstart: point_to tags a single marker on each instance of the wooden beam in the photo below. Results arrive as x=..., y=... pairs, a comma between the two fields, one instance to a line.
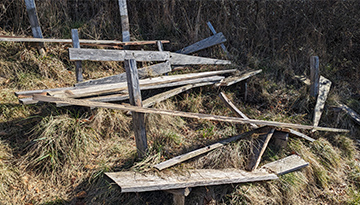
x=160, y=46
x=131, y=181
x=324, y=89
x=153, y=70
x=205, y=43
x=87, y=103
x=314, y=75
x=106, y=98
x=214, y=32
x=124, y=21
x=181, y=59
x=135, y=100
x=76, y=44
x=34, y=20
x=116, y=55
x=285, y=165
x=184, y=157
x=235, y=79
x=351, y=112
x=258, y=150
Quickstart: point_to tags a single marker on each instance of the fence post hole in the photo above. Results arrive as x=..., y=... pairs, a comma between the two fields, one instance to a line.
x=34, y=23
x=135, y=99
x=124, y=22
x=76, y=44
x=314, y=76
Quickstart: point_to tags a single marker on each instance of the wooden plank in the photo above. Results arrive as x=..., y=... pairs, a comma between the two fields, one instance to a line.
x=87, y=103
x=153, y=70
x=124, y=20
x=135, y=100
x=324, y=89
x=160, y=45
x=235, y=79
x=116, y=55
x=205, y=43
x=141, y=182
x=233, y=108
x=76, y=44
x=258, y=150
x=82, y=41
x=181, y=59
x=351, y=112
x=314, y=75
x=285, y=165
x=184, y=157
x=107, y=98
x=168, y=94
x=214, y=32
x=34, y=20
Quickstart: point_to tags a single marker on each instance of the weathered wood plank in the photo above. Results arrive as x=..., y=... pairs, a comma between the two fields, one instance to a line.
x=168, y=94
x=181, y=59
x=33, y=18
x=82, y=41
x=214, y=32
x=107, y=98
x=124, y=20
x=87, y=103
x=205, y=43
x=285, y=165
x=160, y=45
x=351, y=112
x=76, y=44
x=141, y=182
x=135, y=100
x=314, y=75
x=235, y=79
x=152, y=70
x=184, y=157
x=324, y=89
x=116, y=55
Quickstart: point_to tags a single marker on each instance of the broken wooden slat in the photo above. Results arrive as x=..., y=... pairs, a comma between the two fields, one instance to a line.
x=286, y=165
x=235, y=79
x=181, y=59
x=197, y=152
x=106, y=98
x=314, y=75
x=168, y=94
x=258, y=150
x=233, y=108
x=116, y=55
x=324, y=88
x=34, y=20
x=141, y=182
x=153, y=70
x=214, y=32
x=87, y=103
x=76, y=44
x=205, y=43
x=351, y=112
x=299, y=134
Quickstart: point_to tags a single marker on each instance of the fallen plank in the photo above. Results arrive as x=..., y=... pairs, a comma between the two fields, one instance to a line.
x=141, y=182
x=153, y=70
x=181, y=59
x=299, y=134
x=168, y=94
x=184, y=157
x=351, y=112
x=324, y=89
x=285, y=165
x=116, y=55
x=106, y=98
x=87, y=103
x=214, y=32
x=235, y=79
x=258, y=150
x=205, y=43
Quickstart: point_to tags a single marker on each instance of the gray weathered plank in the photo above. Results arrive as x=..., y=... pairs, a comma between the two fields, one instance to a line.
x=181, y=59
x=141, y=182
x=106, y=98
x=205, y=43
x=324, y=89
x=351, y=112
x=285, y=165
x=135, y=100
x=87, y=103
x=314, y=75
x=33, y=18
x=235, y=79
x=153, y=70
x=214, y=32
x=124, y=20
x=76, y=44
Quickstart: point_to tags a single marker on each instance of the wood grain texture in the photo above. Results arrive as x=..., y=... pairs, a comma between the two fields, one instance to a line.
x=87, y=103
x=182, y=59
x=314, y=75
x=33, y=18
x=351, y=112
x=324, y=89
x=285, y=165
x=235, y=79
x=141, y=182
x=205, y=43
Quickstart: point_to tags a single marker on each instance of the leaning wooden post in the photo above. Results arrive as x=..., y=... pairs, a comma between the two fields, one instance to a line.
x=135, y=99
x=34, y=21
x=214, y=32
x=124, y=21
x=76, y=44
x=314, y=76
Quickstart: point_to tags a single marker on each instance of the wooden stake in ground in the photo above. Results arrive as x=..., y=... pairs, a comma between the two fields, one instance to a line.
x=135, y=100
x=76, y=44
x=34, y=22
x=124, y=21
x=314, y=76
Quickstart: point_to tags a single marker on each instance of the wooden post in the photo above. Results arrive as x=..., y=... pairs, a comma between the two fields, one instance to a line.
x=160, y=45
x=124, y=21
x=34, y=22
x=214, y=32
x=76, y=44
x=314, y=76
x=135, y=100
